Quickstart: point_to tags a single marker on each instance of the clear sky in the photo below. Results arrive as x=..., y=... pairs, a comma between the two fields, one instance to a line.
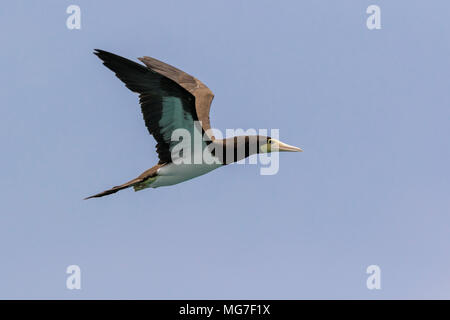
x=370, y=108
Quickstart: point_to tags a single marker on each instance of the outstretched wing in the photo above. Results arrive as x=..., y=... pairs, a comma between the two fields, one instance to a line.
x=166, y=104
x=203, y=95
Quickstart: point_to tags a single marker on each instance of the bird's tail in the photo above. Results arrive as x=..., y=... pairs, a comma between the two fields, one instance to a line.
x=116, y=188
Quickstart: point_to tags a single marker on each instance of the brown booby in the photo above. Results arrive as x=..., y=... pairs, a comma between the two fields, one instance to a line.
x=172, y=99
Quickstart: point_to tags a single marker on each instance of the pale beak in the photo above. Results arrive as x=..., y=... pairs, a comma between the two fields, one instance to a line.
x=285, y=147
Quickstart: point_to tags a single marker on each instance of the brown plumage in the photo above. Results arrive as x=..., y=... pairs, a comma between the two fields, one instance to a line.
x=154, y=82
x=171, y=99
x=150, y=173
x=202, y=94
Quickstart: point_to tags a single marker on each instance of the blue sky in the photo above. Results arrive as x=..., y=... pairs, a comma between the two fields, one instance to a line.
x=370, y=109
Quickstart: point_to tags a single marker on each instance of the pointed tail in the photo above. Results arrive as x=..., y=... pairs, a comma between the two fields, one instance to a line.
x=116, y=188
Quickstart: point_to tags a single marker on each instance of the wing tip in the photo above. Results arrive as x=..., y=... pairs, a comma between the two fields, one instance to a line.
x=147, y=60
x=102, y=54
x=99, y=52
x=98, y=195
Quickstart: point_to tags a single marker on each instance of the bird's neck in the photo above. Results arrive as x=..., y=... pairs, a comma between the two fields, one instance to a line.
x=234, y=149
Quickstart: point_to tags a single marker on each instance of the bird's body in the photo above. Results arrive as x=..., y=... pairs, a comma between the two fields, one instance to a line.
x=171, y=174
x=171, y=100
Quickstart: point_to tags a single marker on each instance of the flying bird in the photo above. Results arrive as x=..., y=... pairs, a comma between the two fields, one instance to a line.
x=171, y=99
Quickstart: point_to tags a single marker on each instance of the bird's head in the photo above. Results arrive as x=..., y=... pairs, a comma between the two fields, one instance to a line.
x=274, y=145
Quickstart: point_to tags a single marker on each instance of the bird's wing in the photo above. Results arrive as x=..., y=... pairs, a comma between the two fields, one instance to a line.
x=166, y=104
x=203, y=95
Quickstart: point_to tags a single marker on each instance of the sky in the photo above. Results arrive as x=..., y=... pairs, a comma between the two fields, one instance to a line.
x=370, y=108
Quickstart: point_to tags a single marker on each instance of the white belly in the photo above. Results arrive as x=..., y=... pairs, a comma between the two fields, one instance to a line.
x=172, y=174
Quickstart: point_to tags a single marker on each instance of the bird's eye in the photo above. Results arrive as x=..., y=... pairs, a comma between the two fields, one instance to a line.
x=270, y=141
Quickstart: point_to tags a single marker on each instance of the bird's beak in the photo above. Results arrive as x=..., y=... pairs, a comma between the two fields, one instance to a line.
x=285, y=147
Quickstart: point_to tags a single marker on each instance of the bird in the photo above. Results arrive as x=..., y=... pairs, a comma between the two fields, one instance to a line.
x=172, y=100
